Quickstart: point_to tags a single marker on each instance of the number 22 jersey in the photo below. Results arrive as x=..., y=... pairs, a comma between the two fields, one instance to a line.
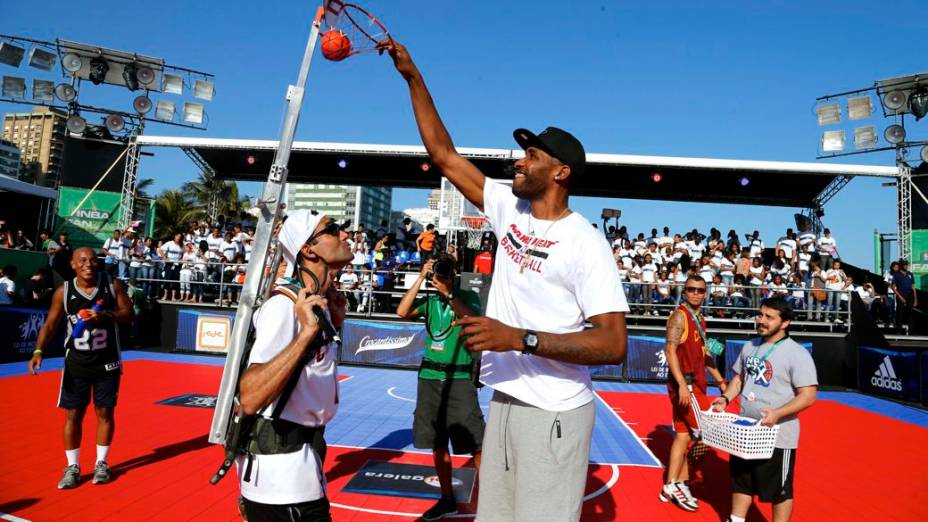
x=94, y=353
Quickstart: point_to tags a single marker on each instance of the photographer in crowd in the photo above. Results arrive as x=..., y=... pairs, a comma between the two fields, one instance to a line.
x=446, y=399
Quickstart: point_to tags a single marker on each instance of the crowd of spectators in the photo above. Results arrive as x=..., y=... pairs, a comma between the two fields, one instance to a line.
x=208, y=261
x=803, y=267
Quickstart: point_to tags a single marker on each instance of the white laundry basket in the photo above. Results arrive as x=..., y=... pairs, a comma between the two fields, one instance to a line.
x=720, y=431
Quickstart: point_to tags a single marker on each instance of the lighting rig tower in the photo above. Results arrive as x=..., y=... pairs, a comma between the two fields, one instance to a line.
x=902, y=100
x=81, y=65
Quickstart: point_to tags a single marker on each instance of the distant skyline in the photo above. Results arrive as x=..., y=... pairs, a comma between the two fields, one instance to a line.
x=728, y=80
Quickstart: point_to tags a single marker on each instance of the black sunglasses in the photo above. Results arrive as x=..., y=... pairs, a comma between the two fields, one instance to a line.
x=332, y=228
x=695, y=289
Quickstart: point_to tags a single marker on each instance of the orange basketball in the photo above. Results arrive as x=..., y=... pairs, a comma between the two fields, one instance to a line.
x=335, y=45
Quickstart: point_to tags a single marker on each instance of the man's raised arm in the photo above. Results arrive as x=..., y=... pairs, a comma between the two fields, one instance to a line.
x=461, y=172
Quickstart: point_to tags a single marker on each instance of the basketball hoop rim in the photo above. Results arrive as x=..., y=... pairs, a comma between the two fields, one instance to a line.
x=474, y=222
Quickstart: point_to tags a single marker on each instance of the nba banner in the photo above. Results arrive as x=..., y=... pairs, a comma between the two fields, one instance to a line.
x=199, y=331
x=20, y=327
x=94, y=221
x=733, y=349
x=888, y=373
x=646, y=359
x=374, y=342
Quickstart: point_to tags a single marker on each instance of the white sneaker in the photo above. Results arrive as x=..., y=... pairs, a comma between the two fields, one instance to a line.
x=682, y=496
x=666, y=494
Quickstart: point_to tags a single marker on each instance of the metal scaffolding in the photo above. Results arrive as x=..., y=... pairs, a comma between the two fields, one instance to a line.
x=129, y=180
x=904, y=205
x=212, y=205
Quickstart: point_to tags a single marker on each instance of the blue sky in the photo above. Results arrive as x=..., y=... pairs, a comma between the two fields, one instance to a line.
x=709, y=79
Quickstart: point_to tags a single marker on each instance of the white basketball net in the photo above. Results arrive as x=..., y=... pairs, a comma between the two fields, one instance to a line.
x=475, y=227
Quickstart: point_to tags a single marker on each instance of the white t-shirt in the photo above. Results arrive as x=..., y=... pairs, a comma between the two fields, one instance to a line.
x=827, y=245
x=663, y=287
x=291, y=478
x=172, y=251
x=778, y=288
x=718, y=289
x=727, y=267
x=788, y=246
x=112, y=246
x=804, y=259
x=834, y=279
x=360, y=258
x=214, y=243
x=757, y=247
x=7, y=286
x=348, y=280
x=807, y=238
x=569, y=277
x=756, y=273
x=707, y=273
x=228, y=249
x=648, y=273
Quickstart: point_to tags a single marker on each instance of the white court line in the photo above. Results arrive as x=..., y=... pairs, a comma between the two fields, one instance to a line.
x=12, y=518
x=657, y=461
x=603, y=489
x=467, y=455
x=395, y=396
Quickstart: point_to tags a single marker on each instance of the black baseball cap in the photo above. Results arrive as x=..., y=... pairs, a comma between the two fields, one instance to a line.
x=556, y=142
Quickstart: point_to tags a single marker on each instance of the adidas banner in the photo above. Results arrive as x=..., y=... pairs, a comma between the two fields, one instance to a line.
x=382, y=343
x=889, y=373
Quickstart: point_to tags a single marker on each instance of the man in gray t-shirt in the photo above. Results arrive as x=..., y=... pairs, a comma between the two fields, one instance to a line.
x=774, y=379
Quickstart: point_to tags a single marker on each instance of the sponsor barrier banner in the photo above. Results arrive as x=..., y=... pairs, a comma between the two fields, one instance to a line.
x=203, y=331
x=382, y=343
x=20, y=327
x=733, y=349
x=924, y=377
x=213, y=333
x=888, y=373
x=409, y=480
x=612, y=371
x=646, y=359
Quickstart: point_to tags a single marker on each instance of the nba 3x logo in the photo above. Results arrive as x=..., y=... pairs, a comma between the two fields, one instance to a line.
x=759, y=370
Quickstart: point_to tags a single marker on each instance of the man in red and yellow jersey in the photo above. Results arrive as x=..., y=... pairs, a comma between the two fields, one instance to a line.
x=688, y=360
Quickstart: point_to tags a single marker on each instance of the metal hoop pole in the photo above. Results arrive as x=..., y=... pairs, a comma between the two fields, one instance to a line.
x=271, y=209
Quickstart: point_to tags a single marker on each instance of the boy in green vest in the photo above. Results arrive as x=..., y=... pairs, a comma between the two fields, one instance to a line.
x=446, y=402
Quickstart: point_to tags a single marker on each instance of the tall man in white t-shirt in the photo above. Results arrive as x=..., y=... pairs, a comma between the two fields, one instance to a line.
x=285, y=482
x=553, y=273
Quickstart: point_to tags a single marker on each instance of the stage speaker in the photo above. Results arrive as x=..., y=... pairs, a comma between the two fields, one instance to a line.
x=86, y=160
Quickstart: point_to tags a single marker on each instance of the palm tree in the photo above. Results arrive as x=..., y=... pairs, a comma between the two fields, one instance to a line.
x=200, y=191
x=141, y=188
x=173, y=212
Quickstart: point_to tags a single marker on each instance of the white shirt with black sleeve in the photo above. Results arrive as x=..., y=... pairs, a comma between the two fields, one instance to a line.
x=549, y=276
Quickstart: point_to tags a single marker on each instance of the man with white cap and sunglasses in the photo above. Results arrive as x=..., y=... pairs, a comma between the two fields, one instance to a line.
x=281, y=477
